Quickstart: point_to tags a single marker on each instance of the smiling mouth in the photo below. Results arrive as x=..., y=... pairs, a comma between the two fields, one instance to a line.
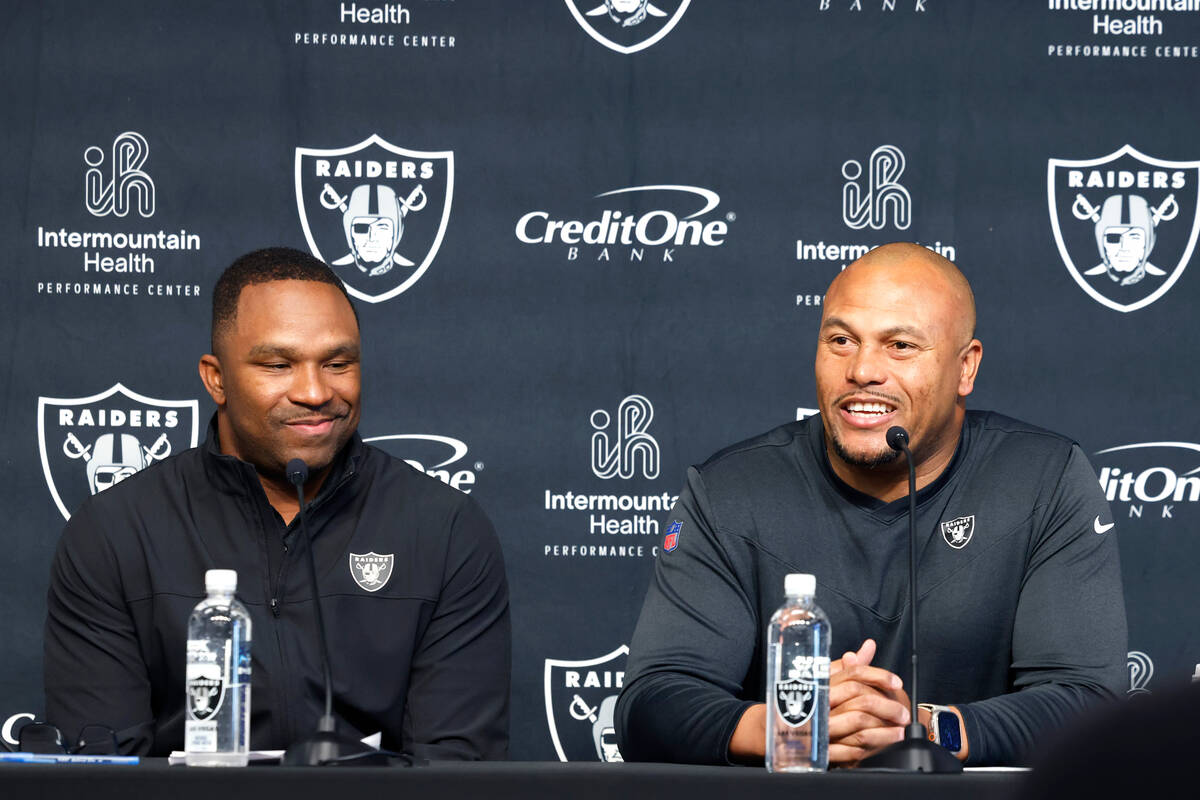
x=866, y=413
x=313, y=425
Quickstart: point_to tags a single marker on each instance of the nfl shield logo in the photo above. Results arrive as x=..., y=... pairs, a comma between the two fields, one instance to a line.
x=957, y=532
x=89, y=444
x=627, y=26
x=581, y=698
x=371, y=571
x=672, y=538
x=374, y=212
x=1125, y=224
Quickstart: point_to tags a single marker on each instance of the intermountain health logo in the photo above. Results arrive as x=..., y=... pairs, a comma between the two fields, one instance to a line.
x=120, y=251
x=1125, y=223
x=581, y=697
x=621, y=505
x=375, y=212
x=874, y=201
x=627, y=26
x=1141, y=670
x=626, y=448
x=89, y=444
x=877, y=197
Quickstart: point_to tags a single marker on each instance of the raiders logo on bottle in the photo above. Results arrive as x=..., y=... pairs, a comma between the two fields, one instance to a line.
x=795, y=700
x=205, y=694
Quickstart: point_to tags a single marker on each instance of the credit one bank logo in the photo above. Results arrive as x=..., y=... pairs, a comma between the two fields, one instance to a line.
x=440, y=457
x=1155, y=479
x=680, y=218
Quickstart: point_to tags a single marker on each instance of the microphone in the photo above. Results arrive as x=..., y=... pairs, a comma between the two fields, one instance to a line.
x=326, y=746
x=913, y=753
x=297, y=474
x=897, y=439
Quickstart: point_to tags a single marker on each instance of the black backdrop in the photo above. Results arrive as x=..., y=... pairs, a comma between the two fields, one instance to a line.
x=526, y=360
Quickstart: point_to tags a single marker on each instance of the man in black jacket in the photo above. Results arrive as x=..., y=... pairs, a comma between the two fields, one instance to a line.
x=411, y=577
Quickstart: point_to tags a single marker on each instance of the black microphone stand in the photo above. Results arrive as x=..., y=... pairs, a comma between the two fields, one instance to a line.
x=913, y=753
x=326, y=746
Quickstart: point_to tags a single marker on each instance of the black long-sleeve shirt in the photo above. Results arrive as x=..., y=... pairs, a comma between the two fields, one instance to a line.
x=1021, y=625
x=422, y=656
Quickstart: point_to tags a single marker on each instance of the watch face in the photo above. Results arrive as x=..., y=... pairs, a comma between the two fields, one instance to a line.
x=948, y=733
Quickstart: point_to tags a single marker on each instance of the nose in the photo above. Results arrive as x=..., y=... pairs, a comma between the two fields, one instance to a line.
x=865, y=367
x=310, y=387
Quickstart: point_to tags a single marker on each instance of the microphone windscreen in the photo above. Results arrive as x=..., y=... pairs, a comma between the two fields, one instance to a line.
x=297, y=471
x=897, y=437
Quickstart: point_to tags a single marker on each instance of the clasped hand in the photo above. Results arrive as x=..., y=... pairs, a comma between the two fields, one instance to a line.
x=868, y=707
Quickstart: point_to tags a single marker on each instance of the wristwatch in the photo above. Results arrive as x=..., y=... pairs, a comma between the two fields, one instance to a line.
x=944, y=727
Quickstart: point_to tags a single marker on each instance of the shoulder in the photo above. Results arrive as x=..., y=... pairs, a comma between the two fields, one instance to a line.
x=145, y=493
x=762, y=451
x=996, y=436
x=763, y=466
x=429, y=503
x=404, y=483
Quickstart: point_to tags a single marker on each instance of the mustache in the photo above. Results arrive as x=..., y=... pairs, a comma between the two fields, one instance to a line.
x=320, y=416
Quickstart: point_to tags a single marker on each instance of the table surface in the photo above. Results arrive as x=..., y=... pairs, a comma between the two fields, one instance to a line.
x=576, y=781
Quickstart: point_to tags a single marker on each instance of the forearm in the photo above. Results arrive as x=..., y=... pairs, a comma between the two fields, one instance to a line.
x=677, y=718
x=1004, y=730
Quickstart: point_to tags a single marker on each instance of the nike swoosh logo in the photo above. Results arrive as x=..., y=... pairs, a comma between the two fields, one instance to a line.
x=1101, y=528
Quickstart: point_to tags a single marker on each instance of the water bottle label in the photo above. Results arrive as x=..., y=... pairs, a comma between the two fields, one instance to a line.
x=199, y=737
x=207, y=678
x=796, y=698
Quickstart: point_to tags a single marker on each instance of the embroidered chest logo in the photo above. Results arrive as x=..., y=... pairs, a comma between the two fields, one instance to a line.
x=371, y=571
x=958, y=531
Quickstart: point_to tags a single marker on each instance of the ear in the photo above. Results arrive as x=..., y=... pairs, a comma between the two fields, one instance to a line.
x=213, y=378
x=971, y=356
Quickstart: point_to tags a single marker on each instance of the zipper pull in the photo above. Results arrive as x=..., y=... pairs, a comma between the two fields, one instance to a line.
x=275, y=606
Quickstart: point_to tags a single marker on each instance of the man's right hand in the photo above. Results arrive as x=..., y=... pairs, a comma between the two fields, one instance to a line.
x=868, y=707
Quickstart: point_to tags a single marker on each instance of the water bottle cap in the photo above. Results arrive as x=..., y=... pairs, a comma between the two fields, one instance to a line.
x=799, y=584
x=220, y=580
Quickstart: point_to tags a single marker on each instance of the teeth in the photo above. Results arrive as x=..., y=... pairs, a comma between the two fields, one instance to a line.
x=867, y=408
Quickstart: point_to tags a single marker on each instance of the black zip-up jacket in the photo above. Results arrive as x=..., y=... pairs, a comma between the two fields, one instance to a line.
x=424, y=658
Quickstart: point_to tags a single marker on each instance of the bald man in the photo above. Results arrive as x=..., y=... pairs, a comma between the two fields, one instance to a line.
x=1022, y=616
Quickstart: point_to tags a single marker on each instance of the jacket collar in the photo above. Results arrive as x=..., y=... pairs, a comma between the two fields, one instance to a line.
x=231, y=474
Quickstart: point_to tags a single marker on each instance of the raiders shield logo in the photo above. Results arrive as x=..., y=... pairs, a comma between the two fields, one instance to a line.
x=89, y=444
x=205, y=679
x=797, y=693
x=371, y=571
x=581, y=698
x=374, y=212
x=957, y=532
x=1125, y=224
x=627, y=26
x=795, y=701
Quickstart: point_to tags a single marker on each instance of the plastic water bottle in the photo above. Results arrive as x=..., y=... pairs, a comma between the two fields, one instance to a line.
x=798, y=681
x=217, y=730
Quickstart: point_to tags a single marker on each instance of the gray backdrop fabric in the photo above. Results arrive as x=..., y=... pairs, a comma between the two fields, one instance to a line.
x=613, y=241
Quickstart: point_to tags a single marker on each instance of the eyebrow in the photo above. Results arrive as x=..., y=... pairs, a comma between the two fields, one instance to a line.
x=895, y=330
x=347, y=349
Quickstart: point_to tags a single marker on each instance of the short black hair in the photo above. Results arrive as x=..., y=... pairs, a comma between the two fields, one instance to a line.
x=264, y=266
